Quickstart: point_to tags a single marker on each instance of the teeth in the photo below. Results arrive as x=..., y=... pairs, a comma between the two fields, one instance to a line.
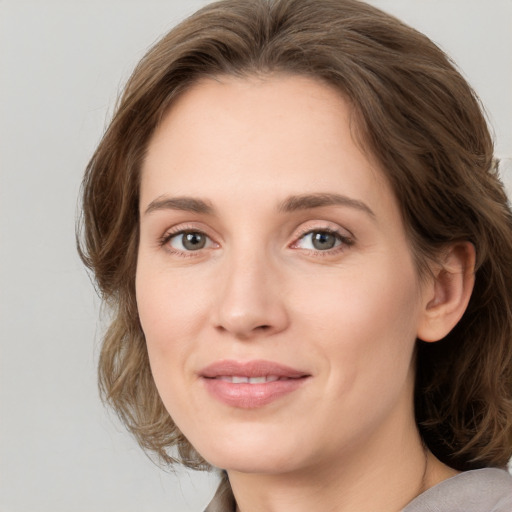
x=257, y=380
x=249, y=380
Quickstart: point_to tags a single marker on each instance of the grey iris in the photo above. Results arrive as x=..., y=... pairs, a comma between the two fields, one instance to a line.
x=322, y=240
x=193, y=241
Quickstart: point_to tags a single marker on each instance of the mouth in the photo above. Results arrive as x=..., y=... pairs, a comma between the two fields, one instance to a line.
x=252, y=384
x=249, y=380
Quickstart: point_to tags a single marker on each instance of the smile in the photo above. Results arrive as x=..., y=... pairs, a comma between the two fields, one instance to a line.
x=249, y=380
x=253, y=384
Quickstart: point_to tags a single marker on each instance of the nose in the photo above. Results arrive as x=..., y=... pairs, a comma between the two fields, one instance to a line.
x=250, y=301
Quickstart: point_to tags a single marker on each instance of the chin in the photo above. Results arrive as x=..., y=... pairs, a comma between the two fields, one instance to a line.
x=251, y=451
x=254, y=463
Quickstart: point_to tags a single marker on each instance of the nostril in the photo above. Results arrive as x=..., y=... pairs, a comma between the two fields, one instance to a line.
x=259, y=328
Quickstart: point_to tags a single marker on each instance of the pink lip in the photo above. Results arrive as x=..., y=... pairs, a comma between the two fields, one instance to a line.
x=246, y=395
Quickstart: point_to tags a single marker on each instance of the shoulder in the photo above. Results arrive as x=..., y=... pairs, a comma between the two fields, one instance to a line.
x=481, y=490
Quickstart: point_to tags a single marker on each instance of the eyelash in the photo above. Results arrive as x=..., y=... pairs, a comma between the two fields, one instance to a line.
x=345, y=241
x=165, y=240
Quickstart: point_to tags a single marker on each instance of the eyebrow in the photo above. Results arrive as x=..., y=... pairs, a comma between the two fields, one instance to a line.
x=290, y=204
x=186, y=204
x=310, y=201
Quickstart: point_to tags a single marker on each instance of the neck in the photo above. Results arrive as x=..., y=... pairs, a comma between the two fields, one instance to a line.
x=384, y=473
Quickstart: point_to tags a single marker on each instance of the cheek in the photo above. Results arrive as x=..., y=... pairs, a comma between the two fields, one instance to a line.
x=169, y=320
x=169, y=316
x=365, y=322
x=169, y=306
x=174, y=307
x=367, y=341
x=377, y=300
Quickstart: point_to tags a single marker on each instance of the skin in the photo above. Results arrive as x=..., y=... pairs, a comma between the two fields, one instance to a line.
x=259, y=289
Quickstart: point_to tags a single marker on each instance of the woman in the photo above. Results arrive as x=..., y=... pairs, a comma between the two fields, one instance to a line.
x=296, y=220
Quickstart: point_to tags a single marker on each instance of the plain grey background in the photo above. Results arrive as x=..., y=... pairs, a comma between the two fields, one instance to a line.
x=62, y=64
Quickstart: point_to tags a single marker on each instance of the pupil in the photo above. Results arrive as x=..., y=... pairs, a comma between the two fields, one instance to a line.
x=323, y=241
x=193, y=241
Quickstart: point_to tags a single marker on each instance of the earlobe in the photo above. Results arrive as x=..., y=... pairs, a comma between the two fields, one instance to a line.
x=446, y=296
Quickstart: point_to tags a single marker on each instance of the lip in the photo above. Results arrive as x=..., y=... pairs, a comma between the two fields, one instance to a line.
x=283, y=380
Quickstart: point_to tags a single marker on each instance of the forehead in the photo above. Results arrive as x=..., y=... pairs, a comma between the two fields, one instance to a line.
x=247, y=137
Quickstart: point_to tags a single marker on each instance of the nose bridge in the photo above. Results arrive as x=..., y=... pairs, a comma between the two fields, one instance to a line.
x=250, y=299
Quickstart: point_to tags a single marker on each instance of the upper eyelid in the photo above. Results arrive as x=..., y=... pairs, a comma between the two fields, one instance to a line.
x=331, y=227
x=184, y=227
x=343, y=238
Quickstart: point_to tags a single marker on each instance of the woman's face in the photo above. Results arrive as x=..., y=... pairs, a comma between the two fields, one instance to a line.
x=275, y=283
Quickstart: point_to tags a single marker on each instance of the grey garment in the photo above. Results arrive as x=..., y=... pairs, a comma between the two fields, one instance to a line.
x=223, y=501
x=481, y=490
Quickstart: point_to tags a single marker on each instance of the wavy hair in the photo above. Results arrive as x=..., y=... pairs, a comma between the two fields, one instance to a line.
x=414, y=113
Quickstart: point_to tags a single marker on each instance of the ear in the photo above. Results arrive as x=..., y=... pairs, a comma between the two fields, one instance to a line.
x=446, y=296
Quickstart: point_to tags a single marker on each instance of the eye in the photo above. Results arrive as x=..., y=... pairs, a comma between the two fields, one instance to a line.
x=321, y=240
x=189, y=241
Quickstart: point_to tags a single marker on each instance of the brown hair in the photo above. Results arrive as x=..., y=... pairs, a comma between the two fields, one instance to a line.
x=414, y=113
